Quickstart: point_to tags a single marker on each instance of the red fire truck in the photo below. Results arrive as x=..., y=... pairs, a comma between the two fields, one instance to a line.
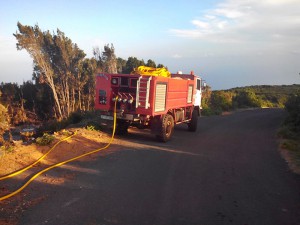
x=150, y=101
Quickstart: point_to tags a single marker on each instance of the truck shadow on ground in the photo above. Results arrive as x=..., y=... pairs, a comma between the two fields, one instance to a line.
x=145, y=135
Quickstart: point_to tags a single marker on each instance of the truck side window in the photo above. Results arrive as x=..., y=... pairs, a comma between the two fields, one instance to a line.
x=198, y=84
x=190, y=94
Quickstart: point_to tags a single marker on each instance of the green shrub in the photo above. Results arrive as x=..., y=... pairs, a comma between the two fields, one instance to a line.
x=292, y=106
x=290, y=130
x=65, y=132
x=7, y=148
x=4, y=122
x=52, y=126
x=93, y=125
x=75, y=117
x=81, y=119
x=46, y=139
x=90, y=127
x=221, y=101
x=286, y=132
x=246, y=99
x=290, y=145
x=206, y=111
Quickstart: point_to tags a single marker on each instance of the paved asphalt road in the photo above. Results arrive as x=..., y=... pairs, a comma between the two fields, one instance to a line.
x=228, y=172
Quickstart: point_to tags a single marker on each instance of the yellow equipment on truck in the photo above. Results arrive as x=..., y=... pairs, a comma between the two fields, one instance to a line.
x=151, y=71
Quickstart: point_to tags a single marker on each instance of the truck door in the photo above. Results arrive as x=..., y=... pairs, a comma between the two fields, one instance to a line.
x=198, y=93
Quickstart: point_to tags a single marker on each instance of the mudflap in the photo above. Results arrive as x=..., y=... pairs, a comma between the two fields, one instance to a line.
x=156, y=125
x=122, y=127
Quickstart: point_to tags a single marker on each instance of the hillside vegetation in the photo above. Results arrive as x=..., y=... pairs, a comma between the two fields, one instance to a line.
x=262, y=96
x=290, y=132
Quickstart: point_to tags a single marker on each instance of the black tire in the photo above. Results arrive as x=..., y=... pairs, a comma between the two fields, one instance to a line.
x=166, y=128
x=194, y=121
x=122, y=127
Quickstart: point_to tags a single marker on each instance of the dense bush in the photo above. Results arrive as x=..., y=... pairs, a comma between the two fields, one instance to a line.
x=293, y=108
x=75, y=117
x=290, y=129
x=207, y=111
x=246, y=99
x=221, y=101
x=4, y=122
x=216, y=102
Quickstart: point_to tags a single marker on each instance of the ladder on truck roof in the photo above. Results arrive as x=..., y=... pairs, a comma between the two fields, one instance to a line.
x=142, y=92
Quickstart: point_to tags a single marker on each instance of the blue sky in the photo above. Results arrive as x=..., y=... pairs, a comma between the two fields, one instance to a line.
x=230, y=43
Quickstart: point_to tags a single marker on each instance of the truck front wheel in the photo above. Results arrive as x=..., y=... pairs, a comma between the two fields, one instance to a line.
x=167, y=128
x=194, y=121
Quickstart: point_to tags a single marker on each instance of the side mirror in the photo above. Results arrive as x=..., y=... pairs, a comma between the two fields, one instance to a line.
x=204, y=85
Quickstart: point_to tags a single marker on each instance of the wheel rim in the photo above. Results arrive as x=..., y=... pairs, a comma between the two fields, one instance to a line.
x=169, y=128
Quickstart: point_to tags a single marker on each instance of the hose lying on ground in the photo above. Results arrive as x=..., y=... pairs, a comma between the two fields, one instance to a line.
x=36, y=162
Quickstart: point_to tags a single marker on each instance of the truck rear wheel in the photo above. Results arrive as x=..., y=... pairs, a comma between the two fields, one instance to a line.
x=194, y=121
x=166, y=128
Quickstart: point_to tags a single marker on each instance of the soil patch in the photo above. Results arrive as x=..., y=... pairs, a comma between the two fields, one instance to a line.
x=83, y=142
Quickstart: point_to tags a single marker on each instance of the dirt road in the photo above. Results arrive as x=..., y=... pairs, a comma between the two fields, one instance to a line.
x=228, y=172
